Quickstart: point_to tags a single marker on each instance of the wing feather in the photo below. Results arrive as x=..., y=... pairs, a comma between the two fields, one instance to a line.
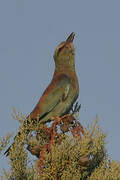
x=56, y=92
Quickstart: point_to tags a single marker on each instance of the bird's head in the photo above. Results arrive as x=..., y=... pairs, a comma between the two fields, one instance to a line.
x=64, y=53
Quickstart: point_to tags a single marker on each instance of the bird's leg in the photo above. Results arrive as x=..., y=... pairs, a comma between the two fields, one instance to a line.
x=77, y=127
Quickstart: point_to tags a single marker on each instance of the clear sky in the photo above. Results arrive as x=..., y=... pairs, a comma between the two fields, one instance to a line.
x=30, y=30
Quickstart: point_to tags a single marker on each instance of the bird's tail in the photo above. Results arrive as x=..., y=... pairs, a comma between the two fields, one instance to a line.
x=6, y=153
x=19, y=139
x=22, y=134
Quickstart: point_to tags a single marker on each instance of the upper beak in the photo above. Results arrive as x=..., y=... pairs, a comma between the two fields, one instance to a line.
x=71, y=37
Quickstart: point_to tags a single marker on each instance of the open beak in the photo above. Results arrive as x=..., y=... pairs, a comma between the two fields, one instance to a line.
x=71, y=37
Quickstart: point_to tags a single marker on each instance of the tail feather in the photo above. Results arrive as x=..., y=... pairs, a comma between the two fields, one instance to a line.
x=17, y=139
x=6, y=153
x=25, y=129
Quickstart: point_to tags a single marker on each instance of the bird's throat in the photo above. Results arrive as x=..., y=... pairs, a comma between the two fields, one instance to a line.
x=67, y=62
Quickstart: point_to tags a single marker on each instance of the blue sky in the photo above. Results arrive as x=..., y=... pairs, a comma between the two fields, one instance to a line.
x=29, y=33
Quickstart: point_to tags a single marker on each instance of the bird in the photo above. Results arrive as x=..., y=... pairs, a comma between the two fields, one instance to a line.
x=62, y=92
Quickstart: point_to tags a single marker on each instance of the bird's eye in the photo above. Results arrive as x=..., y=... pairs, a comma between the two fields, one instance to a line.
x=60, y=47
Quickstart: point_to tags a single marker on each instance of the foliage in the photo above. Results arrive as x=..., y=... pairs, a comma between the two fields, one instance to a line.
x=62, y=154
x=4, y=141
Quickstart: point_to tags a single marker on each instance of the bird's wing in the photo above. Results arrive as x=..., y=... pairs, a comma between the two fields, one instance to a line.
x=56, y=92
